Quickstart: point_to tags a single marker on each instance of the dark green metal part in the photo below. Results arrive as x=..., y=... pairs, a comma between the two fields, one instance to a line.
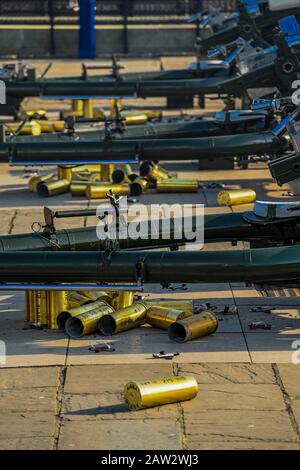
x=260, y=29
x=217, y=227
x=64, y=153
x=163, y=267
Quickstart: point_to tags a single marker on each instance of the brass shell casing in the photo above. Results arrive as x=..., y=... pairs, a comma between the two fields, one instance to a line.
x=51, y=188
x=163, y=317
x=79, y=188
x=236, y=196
x=202, y=324
x=138, y=186
x=75, y=299
x=35, y=180
x=57, y=302
x=153, y=171
x=139, y=119
x=100, y=191
x=121, y=175
x=123, y=319
x=186, y=306
x=67, y=313
x=64, y=172
x=146, y=394
x=86, y=323
x=123, y=299
x=177, y=186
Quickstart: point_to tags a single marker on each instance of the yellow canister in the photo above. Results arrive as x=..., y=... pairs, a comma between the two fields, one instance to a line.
x=146, y=394
x=138, y=186
x=153, y=171
x=52, y=188
x=35, y=180
x=123, y=319
x=186, y=306
x=99, y=191
x=236, y=196
x=87, y=306
x=202, y=324
x=87, y=323
x=163, y=317
x=177, y=186
x=57, y=301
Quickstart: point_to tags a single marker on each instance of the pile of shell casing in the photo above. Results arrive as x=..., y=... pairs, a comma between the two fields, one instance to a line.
x=95, y=181
x=81, y=313
x=84, y=109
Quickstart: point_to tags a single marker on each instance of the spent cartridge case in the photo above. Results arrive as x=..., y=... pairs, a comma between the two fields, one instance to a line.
x=52, y=188
x=146, y=394
x=35, y=180
x=89, y=305
x=177, y=186
x=87, y=322
x=202, y=324
x=99, y=191
x=123, y=319
x=57, y=301
x=237, y=196
x=123, y=299
x=75, y=299
x=153, y=171
x=64, y=172
x=138, y=186
x=186, y=306
x=163, y=317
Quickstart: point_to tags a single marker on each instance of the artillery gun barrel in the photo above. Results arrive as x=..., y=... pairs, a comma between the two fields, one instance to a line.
x=66, y=153
x=256, y=265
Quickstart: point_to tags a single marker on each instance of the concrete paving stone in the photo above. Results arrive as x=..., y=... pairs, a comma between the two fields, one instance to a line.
x=248, y=295
x=283, y=320
x=34, y=400
x=271, y=347
x=102, y=378
x=26, y=424
x=229, y=373
x=244, y=445
x=27, y=443
x=26, y=346
x=110, y=405
x=29, y=377
x=6, y=217
x=235, y=397
x=139, y=345
x=240, y=426
x=138, y=434
x=205, y=292
x=290, y=376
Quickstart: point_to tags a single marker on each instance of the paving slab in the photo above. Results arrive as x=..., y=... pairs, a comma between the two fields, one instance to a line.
x=283, y=320
x=242, y=445
x=110, y=405
x=121, y=435
x=27, y=443
x=29, y=377
x=31, y=400
x=271, y=347
x=235, y=397
x=137, y=346
x=26, y=424
x=244, y=426
x=290, y=377
x=229, y=373
x=102, y=378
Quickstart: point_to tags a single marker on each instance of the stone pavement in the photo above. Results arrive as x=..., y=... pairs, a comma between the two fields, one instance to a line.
x=56, y=394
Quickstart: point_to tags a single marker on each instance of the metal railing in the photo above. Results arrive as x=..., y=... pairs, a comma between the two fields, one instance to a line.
x=122, y=12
